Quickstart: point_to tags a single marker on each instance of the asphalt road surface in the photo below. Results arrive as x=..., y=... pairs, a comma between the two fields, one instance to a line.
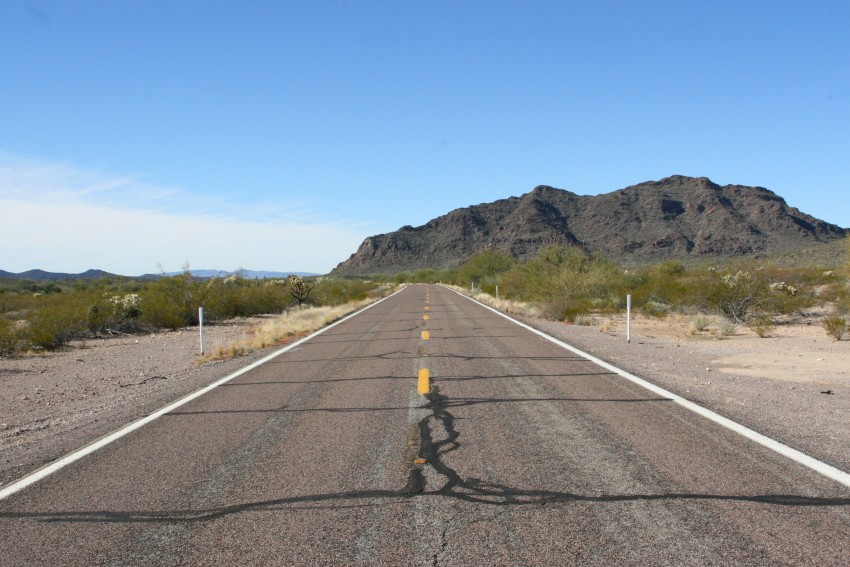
x=522, y=454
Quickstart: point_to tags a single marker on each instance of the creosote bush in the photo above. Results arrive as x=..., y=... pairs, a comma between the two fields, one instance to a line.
x=835, y=327
x=761, y=324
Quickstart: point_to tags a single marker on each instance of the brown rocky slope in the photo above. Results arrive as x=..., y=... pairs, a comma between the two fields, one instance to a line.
x=676, y=217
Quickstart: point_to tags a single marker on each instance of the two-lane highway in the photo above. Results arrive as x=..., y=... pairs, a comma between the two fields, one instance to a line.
x=522, y=453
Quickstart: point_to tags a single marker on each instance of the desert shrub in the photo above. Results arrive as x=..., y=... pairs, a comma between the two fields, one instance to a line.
x=835, y=327
x=662, y=283
x=565, y=282
x=735, y=292
x=655, y=309
x=424, y=275
x=606, y=325
x=725, y=327
x=8, y=337
x=698, y=324
x=61, y=319
x=484, y=267
x=109, y=311
x=172, y=302
x=337, y=291
x=564, y=308
x=761, y=323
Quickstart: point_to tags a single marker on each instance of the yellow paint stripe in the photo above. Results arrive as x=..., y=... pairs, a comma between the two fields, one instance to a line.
x=426, y=335
x=427, y=308
x=424, y=385
x=425, y=317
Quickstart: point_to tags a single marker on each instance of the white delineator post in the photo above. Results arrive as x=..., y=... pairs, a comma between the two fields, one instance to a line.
x=629, y=318
x=497, y=292
x=201, y=326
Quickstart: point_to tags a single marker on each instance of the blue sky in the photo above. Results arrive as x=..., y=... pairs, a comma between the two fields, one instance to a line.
x=277, y=135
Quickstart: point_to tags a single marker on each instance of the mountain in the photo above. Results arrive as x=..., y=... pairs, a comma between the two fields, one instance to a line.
x=42, y=276
x=676, y=217
x=248, y=274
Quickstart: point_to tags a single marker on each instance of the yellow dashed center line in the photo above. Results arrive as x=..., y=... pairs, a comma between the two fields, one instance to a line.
x=426, y=335
x=424, y=385
x=425, y=317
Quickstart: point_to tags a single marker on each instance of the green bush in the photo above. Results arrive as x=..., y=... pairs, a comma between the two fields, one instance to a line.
x=336, y=291
x=484, y=268
x=656, y=309
x=172, y=302
x=565, y=282
x=58, y=321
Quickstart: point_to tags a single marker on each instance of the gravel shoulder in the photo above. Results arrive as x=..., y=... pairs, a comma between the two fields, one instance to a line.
x=58, y=402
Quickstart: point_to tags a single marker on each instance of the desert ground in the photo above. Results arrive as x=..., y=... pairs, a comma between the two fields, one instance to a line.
x=793, y=386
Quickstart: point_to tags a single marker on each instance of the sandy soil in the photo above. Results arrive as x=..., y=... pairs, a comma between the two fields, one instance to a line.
x=794, y=386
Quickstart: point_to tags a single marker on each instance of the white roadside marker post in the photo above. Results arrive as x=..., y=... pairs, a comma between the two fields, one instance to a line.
x=497, y=292
x=629, y=318
x=201, y=326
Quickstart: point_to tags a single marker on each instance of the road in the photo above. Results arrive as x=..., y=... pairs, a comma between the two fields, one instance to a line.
x=522, y=454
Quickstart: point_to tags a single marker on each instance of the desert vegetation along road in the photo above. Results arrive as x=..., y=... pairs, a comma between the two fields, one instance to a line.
x=522, y=453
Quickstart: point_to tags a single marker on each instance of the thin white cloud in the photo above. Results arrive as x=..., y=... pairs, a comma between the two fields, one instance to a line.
x=61, y=218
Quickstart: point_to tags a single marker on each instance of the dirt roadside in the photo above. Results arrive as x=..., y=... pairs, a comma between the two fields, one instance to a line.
x=53, y=404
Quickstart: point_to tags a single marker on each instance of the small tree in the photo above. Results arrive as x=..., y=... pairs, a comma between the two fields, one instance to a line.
x=299, y=288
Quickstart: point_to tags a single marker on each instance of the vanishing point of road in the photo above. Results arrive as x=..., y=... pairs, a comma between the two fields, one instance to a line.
x=523, y=453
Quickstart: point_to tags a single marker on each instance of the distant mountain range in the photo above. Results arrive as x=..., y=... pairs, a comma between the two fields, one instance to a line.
x=43, y=276
x=677, y=217
x=249, y=274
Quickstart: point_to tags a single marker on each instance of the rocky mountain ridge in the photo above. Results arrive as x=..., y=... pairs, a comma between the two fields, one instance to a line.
x=676, y=217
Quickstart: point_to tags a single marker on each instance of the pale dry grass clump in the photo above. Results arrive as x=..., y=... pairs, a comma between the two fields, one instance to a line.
x=698, y=324
x=584, y=320
x=508, y=306
x=724, y=327
x=607, y=325
x=295, y=322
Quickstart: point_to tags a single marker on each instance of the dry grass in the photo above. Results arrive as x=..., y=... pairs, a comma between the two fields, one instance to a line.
x=508, y=306
x=293, y=324
x=503, y=305
x=584, y=320
x=698, y=324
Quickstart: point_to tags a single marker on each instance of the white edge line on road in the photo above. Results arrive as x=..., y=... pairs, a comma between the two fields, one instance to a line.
x=63, y=462
x=793, y=454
